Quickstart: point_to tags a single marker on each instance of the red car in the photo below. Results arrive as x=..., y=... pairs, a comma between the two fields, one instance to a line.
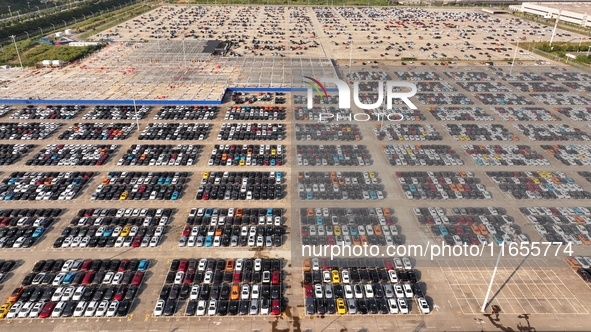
x=47, y=309
x=88, y=278
x=120, y=293
x=137, y=279
x=276, y=307
x=123, y=265
x=276, y=278
x=183, y=265
x=187, y=231
x=309, y=291
x=237, y=276
x=389, y=265
x=137, y=241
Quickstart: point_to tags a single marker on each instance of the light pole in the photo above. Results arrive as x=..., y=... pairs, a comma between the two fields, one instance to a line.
x=27, y=34
x=29, y=4
x=514, y=56
x=41, y=30
x=38, y=10
x=10, y=11
x=84, y=16
x=17, y=53
x=589, y=49
x=53, y=25
x=65, y=25
x=75, y=20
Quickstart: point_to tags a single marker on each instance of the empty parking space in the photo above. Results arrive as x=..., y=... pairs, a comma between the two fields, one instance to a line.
x=535, y=288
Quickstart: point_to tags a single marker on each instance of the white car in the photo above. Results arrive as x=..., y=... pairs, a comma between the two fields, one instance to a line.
x=159, y=309
x=26, y=309
x=91, y=309
x=112, y=310
x=14, y=310
x=423, y=305
x=402, y=305
x=212, y=308
x=201, y=308
x=80, y=307
x=59, y=308
x=102, y=308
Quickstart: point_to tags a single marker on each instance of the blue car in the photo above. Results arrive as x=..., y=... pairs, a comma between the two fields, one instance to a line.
x=143, y=265
x=160, y=180
x=209, y=241
x=269, y=212
x=372, y=194
x=175, y=196
x=319, y=220
x=443, y=230
x=498, y=240
x=353, y=230
x=208, y=212
x=69, y=278
x=38, y=232
x=309, y=195
x=168, y=181
x=108, y=231
x=272, y=162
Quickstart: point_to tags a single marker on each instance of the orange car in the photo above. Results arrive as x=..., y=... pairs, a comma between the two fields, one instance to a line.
x=463, y=174
x=386, y=212
x=307, y=264
x=239, y=212
x=585, y=239
x=310, y=212
x=235, y=294
x=377, y=230
x=300, y=175
x=460, y=187
x=106, y=180
x=15, y=294
x=333, y=174
x=453, y=187
x=363, y=239
x=572, y=262
x=475, y=229
x=230, y=264
x=218, y=231
x=483, y=230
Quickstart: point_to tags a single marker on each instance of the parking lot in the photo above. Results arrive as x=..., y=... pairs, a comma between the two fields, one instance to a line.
x=541, y=286
x=222, y=287
x=534, y=289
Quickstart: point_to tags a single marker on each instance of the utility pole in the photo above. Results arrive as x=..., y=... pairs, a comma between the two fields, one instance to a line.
x=27, y=34
x=41, y=30
x=555, y=26
x=10, y=11
x=17, y=53
x=514, y=56
x=65, y=25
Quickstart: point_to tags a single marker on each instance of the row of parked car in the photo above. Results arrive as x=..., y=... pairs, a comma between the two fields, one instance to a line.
x=372, y=286
x=73, y=155
x=333, y=155
x=38, y=186
x=339, y=185
x=222, y=287
x=77, y=288
x=11, y=153
x=161, y=155
x=240, y=185
x=247, y=155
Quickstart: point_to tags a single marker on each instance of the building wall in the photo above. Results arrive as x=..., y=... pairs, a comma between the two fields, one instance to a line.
x=575, y=17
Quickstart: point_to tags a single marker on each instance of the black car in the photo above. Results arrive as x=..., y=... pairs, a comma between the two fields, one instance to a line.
x=362, y=306
x=124, y=307
x=169, y=307
x=191, y=308
x=320, y=306
x=373, y=306
x=330, y=306
x=383, y=306
x=243, y=308
x=233, y=307
x=69, y=309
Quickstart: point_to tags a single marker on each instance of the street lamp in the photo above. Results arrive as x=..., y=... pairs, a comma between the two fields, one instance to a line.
x=17, y=53
x=29, y=4
x=65, y=25
x=27, y=34
x=53, y=25
x=589, y=49
x=75, y=20
x=10, y=11
x=84, y=17
x=41, y=30
x=38, y=10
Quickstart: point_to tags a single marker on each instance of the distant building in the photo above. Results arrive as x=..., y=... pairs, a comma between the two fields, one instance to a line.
x=573, y=12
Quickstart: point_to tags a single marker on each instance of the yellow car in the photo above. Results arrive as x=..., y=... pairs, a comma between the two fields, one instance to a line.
x=206, y=175
x=372, y=175
x=337, y=230
x=242, y=162
x=536, y=180
x=341, y=309
x=336, y=279
x=4, y=309
x=123, y=196
x=125, y=231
